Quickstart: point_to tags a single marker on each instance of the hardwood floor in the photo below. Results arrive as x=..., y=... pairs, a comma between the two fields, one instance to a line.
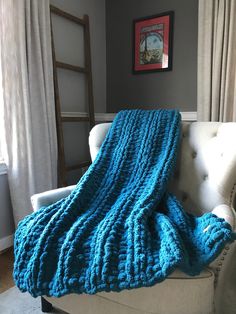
x=6, y=268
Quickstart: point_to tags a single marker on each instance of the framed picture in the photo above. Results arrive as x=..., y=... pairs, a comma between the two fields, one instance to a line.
x=153, y=43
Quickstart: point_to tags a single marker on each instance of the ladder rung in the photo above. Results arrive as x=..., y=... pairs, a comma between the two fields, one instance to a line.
x=75, y=119
x=78, y=166
x=71, y=67
x=66, y=15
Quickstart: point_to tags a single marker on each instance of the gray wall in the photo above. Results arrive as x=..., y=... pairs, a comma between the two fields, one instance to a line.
x=172, y=89
x=69, y=47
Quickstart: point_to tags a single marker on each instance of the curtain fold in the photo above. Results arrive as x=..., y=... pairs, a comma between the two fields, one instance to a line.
x=28, y=128
x=217, y=60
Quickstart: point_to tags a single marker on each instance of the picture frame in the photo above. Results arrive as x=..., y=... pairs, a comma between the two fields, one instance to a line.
x=152, y=43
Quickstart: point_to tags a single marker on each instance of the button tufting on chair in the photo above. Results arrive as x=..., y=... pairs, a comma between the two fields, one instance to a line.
x=176, y=175
x=184, y=197
x=185, y=133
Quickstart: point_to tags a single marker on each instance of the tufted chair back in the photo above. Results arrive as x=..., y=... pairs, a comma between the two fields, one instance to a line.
x=205, y=175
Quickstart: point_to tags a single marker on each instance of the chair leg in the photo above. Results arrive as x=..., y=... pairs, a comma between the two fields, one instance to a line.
x=46, y=306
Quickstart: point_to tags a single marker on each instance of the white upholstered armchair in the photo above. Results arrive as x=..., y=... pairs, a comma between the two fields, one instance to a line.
x=205, y=180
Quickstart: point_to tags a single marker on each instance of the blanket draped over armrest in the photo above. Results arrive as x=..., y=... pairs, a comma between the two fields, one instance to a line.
x=119, y=228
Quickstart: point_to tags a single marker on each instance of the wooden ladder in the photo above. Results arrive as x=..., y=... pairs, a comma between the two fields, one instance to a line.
x=87, y=71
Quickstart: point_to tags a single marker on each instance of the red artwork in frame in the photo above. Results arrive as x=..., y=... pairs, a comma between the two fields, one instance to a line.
x=153, y=43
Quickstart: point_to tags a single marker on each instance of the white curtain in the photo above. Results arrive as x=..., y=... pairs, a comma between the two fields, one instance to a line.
x=217, y=60
x=28, y=130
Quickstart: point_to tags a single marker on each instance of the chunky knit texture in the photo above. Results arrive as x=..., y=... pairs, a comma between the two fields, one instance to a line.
x=120, y=228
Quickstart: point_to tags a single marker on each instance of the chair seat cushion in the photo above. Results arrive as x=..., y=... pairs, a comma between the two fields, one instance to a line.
x=179, y=293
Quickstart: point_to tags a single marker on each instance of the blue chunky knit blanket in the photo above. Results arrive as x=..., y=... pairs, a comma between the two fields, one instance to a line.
x=119, y=228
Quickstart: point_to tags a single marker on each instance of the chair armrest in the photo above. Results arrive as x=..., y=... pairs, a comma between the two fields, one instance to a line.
x=49, y=197
x=226, y=212
x=221, y=264
x=224, y=265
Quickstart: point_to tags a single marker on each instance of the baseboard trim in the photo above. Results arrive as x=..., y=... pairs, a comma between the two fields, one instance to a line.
x=108, y=117
x=189, y=115
x=6, y=242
